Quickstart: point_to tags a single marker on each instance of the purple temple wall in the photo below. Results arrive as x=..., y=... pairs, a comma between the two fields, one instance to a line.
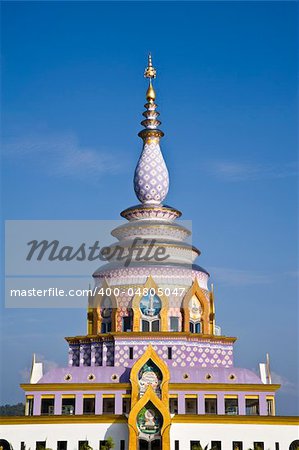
x=185, y=353
x=96, y=374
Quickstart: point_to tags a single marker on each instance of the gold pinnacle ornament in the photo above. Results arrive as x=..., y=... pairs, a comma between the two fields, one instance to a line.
x=150, y=71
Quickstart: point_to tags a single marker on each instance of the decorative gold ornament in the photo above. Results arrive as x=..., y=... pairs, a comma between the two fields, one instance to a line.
x=137, y=403
x=150, y=71
x=149, y=354
x=150, y=93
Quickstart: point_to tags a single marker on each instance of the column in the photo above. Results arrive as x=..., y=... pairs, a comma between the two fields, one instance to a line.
x=181, y=403
x=57, y=404
x=36, y=404
x=118, y=403
x=104, y=357
x=200, y=403
x=99, y=403
x=92, y=355
x=79, y=404
x=220, y=403
x=263, y=405
x=70, y=356
x=242, y=407
x=81, y=356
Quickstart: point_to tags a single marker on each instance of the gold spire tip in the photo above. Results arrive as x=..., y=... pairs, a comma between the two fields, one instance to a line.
x=150, y=71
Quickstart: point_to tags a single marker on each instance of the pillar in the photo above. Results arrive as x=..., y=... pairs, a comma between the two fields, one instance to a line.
x=263, y=405
x=36, y=404
x=99, y=403
x=181, y=403
x=200, y=403
x=242, y=407
x=118, y=403
x=220, y=403
x=79, y=404
x=57, y=404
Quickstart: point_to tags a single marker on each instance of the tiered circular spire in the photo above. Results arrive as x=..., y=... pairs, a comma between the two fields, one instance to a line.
x=151, y=223
x=151, y=179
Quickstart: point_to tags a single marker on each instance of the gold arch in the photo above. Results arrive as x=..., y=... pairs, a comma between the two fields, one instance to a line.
x=94, y=312
x=149, y=354
x=149, y=396
x=196, y=290
x=150, y=283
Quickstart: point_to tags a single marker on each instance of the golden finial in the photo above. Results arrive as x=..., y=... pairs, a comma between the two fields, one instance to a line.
x=150, y=71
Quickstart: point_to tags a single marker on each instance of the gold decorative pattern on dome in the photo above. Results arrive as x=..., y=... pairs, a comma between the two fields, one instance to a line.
x=147, y=133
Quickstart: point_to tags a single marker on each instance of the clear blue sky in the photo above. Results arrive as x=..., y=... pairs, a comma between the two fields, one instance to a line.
x=73, y=94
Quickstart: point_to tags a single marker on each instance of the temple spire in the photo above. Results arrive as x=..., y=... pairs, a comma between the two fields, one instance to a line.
x=151, y=181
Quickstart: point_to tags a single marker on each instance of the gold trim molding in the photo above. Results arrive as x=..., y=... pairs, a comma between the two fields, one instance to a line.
x=63, y=419
x=236, y=420
x=152, y=335
x=178, y=418
x=127, y=387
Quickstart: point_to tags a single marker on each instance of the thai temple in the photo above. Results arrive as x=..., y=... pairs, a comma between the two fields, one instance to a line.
x=154, y=371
